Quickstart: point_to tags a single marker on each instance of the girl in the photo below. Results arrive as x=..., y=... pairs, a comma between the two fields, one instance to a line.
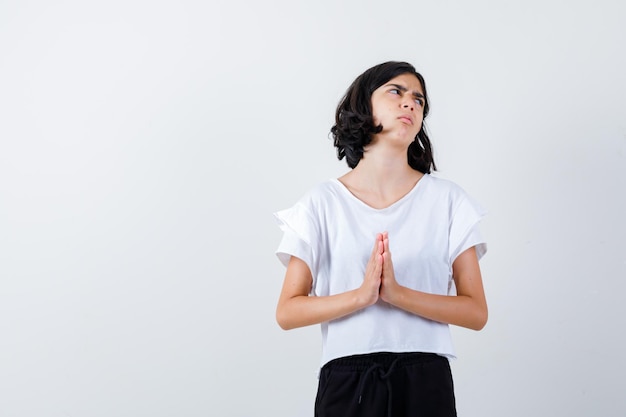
x=384, y=257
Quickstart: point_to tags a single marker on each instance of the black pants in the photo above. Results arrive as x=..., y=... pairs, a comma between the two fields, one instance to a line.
x=386, y=385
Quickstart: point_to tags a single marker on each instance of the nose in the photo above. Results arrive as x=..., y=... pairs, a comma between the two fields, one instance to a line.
x=408, y=104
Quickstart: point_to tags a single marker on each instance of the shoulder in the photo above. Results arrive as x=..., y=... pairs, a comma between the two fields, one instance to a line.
x=452, y=195
x=321, y=194
x=442, y=186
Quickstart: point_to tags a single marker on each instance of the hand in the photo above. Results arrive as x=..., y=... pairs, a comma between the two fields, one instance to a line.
x=370, y=289
x=389, y=285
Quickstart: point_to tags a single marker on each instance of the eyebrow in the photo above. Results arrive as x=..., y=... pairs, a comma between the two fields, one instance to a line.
x=404, y=89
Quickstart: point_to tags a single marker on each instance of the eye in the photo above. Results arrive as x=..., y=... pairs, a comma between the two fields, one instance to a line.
x=394, y=91
x=420, y=102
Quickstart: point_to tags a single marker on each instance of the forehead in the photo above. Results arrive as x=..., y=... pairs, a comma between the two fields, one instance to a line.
x=408, y=81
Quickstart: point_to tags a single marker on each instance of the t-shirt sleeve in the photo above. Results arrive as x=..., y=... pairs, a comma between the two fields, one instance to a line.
x=464, y=228
x=299, y=233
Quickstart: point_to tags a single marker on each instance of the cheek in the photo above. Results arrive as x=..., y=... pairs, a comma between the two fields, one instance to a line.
x=420, y=121
x=375, y=116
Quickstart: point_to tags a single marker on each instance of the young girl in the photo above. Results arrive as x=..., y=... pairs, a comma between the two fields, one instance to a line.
x=384, y=257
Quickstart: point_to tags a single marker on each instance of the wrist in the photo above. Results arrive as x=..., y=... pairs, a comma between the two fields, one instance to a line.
x=393, y=293
x=363, y=297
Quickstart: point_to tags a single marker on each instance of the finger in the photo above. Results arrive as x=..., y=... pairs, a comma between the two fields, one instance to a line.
x=378, y=245
x=375, y=265
x=387, y=262
x=386, y=243
x=377, y=260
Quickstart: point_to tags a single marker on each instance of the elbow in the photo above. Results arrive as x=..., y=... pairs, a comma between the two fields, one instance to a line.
x=283, y=320
x=478, y=326
x=480, y=321
x=284, y=324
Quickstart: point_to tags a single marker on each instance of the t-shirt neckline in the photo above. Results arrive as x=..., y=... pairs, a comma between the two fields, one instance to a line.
x=396, y=203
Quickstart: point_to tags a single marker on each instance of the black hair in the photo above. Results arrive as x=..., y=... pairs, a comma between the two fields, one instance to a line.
x=354, y=122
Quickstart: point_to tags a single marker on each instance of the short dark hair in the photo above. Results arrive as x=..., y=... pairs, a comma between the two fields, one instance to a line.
x=354, y=122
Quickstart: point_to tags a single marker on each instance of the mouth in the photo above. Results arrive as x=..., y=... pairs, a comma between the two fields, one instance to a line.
x=406, y=119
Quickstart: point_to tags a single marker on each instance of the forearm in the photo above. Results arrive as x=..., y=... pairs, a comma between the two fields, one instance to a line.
x=302, y=310
x=460, y=310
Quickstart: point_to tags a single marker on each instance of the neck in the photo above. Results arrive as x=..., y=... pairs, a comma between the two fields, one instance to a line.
x=383, y=170
x=386, y=161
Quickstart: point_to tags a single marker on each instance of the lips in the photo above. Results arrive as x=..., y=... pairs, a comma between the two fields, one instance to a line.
x=408, y=119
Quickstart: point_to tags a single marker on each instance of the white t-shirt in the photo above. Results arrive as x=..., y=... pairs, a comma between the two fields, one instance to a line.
x=334, y=233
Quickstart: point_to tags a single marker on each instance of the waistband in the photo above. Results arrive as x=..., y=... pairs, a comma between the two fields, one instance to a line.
x=383, y=359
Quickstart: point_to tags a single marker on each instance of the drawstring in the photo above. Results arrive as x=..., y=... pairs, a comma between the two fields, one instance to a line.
x=364, y=377
x=383, y=376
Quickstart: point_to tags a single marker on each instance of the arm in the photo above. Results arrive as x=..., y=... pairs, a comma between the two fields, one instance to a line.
x=297, y=309
x=467, y=309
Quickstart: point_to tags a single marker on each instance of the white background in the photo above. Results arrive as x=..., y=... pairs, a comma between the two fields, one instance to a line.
x=145, y=144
